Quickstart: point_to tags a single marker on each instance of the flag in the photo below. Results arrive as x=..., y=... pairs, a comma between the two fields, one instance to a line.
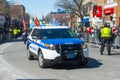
x=24, y=24
x=32, y=22
x=37, y=22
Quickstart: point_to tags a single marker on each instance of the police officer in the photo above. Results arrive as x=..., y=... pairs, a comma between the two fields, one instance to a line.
x=105, y=38
x=18, y=32
x=15, y=32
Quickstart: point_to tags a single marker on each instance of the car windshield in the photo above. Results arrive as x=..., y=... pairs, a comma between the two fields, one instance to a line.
x=57, y=33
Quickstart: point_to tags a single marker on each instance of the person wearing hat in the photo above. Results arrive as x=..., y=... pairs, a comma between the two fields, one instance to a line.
x=105, y=38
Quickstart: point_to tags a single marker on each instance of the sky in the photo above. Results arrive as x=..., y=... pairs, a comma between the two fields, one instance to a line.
x=37, y=7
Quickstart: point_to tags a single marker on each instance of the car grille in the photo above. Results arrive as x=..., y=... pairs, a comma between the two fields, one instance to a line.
x=64, y=51
x=66, y=48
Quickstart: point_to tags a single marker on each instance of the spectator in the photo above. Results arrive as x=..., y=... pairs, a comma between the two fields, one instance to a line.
x=90, y=33
x=80, y=32
x=1, y=34
x=15, y=32
x=85, y=34
x=117, y=39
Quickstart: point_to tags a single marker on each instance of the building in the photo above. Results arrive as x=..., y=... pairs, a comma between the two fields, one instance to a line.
x=4, y=14
x=17, y=11
x=67, y=19
x=112, y=12
x=63, y=19
x=27, y=19
x=4, y=8
x=4, y=19
x=94, y=12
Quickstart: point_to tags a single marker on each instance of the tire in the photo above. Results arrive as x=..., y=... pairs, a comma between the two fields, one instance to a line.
x=82, y=61
x=41, y=60
x=29, y=55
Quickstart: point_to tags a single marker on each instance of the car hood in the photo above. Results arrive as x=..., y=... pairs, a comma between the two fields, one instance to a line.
x=63, y=41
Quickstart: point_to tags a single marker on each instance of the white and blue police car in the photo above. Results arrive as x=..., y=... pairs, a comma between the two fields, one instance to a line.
x=56, y=44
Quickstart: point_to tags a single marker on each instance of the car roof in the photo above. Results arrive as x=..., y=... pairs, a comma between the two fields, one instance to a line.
x=50, y=27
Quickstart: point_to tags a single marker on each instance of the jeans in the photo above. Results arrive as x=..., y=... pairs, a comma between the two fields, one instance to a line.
x=105, y=41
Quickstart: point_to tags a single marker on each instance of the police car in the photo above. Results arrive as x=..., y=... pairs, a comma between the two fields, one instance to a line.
x=56, y=44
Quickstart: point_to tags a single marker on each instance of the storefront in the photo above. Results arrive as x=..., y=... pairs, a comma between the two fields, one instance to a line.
x=110, y=13
x=97, y=16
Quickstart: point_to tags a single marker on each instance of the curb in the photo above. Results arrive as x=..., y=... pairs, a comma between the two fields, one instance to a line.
x=98, y=46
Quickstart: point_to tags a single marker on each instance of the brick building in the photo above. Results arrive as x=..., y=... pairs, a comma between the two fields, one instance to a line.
x=4, y=7
x=17, y=11
x=67, y=19
x=112, y=12
x=95, y=19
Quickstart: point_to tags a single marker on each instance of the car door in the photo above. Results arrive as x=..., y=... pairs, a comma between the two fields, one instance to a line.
x=34, y=41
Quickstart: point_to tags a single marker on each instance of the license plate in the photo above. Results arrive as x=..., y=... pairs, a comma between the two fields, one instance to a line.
x=70, y=55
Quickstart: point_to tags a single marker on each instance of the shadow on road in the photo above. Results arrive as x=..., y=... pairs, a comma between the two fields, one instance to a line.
x=92, y=63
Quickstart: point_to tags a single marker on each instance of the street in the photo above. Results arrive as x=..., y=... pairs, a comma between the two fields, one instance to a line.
x=14, y=65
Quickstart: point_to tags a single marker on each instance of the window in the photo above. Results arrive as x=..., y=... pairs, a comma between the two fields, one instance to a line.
x=109, y=1
x=36, y=33
x=57, y=33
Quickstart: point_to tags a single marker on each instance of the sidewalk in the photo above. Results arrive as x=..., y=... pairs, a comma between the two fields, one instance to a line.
x=3, y=47
x=98, y=46
x=4, y=44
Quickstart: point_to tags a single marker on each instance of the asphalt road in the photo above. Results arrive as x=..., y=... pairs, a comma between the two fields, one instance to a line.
x=15, y=66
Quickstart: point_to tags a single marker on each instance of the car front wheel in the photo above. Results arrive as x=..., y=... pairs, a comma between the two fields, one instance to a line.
x=41, y=60
x=29, y=55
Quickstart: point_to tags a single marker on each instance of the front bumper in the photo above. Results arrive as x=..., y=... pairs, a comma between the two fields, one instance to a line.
x=52, y=56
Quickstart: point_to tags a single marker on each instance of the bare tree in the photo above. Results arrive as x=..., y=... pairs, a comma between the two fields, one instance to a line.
x=75, y=6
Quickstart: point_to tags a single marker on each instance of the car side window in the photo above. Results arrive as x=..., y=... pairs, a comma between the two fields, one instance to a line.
x=36, y=33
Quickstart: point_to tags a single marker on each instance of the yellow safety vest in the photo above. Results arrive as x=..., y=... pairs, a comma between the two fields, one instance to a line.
x=15, y=31
x=105, y=32
x=18, y=30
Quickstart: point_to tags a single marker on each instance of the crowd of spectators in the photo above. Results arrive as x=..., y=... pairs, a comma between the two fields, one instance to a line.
x=90, y=35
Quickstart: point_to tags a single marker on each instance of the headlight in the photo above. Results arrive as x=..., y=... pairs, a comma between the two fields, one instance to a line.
x=84, y=45
x=50, y=46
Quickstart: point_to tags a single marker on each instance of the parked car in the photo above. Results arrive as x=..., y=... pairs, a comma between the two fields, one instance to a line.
x=56, y=44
